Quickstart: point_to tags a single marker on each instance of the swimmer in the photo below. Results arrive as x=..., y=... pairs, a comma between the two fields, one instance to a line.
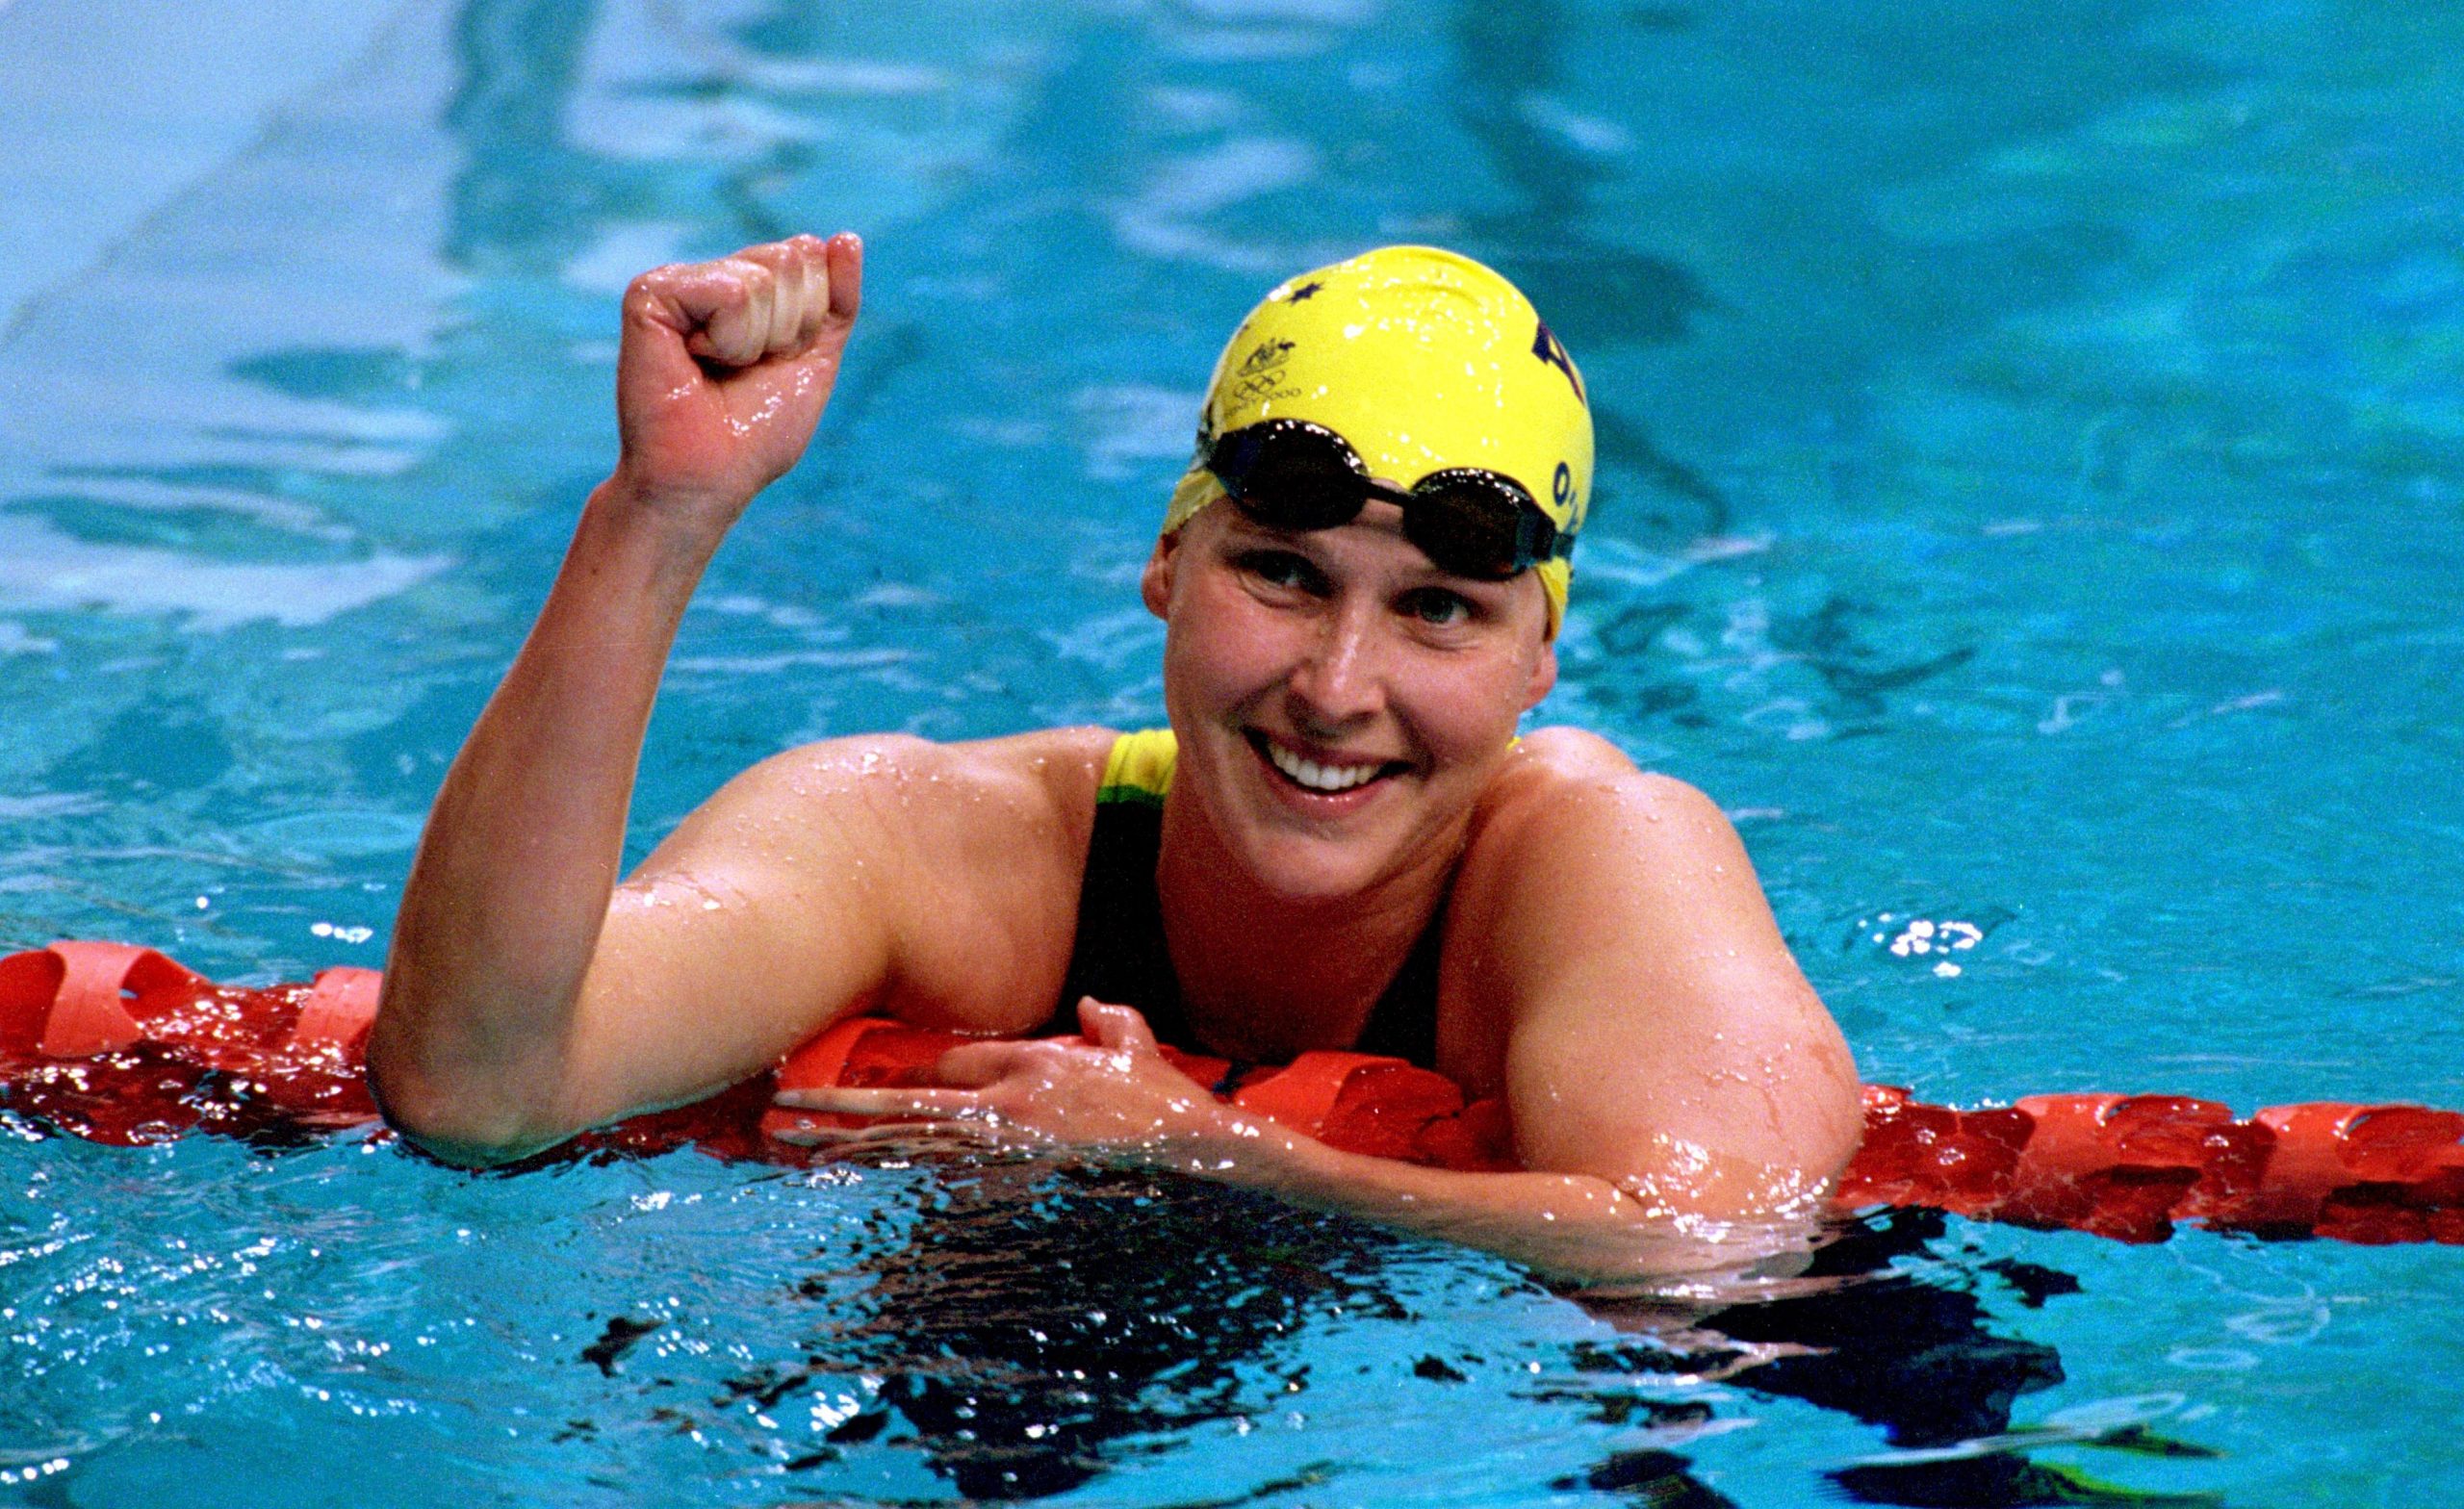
x=1340, y=843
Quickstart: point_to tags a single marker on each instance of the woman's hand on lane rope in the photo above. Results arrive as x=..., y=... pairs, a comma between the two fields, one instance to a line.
x=1113, y=1091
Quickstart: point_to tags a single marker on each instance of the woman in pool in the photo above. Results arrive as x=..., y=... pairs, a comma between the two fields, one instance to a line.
x=1362, y=576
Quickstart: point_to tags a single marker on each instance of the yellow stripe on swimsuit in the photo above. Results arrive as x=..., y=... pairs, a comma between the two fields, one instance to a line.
x=1139, y=768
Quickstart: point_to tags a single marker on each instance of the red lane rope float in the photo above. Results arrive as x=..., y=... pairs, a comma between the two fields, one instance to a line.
x=120, y=1044
x=1354, y=1101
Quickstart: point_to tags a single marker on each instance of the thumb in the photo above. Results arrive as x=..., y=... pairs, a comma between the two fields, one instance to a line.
x=655, y=361
x=1118, y=1028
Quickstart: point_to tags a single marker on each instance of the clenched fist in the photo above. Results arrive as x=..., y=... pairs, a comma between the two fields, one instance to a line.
x=724, y=368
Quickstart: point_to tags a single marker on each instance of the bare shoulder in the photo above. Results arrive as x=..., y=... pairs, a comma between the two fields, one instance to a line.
x=1026, y=800
x=1578, y=858
x=1618, y=945
x=1565, y=794
x=996, y=835
x=896, y=773
x=878, y=799
x=957, y=865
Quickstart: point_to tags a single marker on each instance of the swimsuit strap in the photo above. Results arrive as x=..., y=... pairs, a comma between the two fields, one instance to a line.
x=1403, y=1023
x=1120, y=956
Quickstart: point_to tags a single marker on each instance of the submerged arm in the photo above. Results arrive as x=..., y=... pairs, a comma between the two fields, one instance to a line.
x=506, y=1025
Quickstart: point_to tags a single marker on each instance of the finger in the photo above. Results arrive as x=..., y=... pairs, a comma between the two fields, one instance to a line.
x=723, y=307
x=760, y=313
x=664, y=311
x=933, y=1104
x=1118, y=1027
x=801, y=292
x=740, y=331
x=843, y=256
x=791, y=310
x=833, y=272
x=887, y=1134
x=976, y=1064
x=780, y=317
x=824, y=1133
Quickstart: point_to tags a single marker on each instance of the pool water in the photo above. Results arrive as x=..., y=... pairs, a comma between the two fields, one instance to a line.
x=2032, y=489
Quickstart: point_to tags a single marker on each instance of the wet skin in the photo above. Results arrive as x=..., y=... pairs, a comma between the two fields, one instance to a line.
x=1345, y=714
x=1348, y=650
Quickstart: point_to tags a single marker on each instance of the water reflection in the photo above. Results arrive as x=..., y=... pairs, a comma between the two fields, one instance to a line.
x=1913, y=1355
x=1036, y=1328
x=1505, y=83
x=1035, y=1324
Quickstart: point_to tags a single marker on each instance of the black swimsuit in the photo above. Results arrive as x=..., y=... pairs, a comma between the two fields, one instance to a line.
x=1120, y=956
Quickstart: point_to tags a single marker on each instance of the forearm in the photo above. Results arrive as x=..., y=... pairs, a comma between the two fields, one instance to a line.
x=1113, y=1090
x=505, y=899
x=1570, y=1226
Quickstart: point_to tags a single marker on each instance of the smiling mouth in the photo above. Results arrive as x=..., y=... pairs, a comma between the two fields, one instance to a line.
x=1325, y=778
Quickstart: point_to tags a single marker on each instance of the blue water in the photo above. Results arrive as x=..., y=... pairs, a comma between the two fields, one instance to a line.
x=2032, y=489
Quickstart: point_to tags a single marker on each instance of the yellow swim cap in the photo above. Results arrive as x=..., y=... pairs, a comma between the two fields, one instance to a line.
x=1422, y=360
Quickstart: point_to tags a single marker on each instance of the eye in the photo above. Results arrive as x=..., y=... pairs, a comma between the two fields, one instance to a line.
x=1282, y=569
x=1438, y=607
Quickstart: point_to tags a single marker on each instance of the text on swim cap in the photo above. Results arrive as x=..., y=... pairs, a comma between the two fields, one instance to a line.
x=1545, y=347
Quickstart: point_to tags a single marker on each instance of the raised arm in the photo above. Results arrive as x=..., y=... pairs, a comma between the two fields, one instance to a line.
x=484, y=1046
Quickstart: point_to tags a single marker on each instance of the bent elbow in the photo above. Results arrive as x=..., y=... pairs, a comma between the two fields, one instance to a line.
x=1836, y=1129
x=450, y=1125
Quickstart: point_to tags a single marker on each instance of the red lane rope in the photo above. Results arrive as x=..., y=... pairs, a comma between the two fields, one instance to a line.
x=120, y=1044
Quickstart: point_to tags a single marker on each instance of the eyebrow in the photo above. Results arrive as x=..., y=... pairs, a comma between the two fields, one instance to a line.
x=1428, y=572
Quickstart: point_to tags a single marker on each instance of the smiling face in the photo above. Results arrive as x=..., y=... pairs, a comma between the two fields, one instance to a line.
x=1341, y=702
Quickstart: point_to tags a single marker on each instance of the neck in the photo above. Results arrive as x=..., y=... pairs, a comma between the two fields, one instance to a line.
x=1265, y=977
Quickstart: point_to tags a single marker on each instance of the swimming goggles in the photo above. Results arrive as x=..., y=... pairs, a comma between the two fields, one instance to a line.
x=1294, y=474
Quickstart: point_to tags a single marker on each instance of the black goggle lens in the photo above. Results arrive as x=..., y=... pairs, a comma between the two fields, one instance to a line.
x=1293, y=479
x=1475, y=526
x=1292, y=474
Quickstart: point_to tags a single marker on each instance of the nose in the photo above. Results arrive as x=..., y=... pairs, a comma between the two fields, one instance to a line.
x=1341, y=677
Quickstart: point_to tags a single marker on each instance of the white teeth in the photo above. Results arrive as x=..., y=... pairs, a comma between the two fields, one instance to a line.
x=1320, y=778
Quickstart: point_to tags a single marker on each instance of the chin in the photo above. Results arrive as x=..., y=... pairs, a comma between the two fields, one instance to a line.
x=1303, y=870
x=1302, y=859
